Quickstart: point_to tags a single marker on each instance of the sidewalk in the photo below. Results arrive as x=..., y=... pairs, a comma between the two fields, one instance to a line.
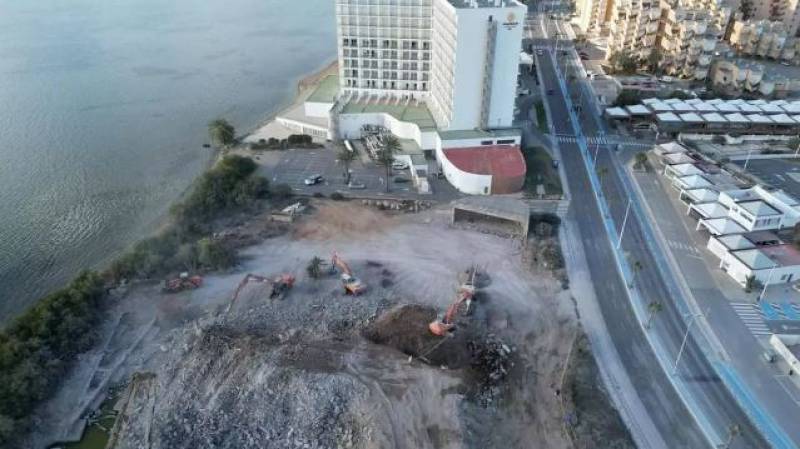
x=765, y=400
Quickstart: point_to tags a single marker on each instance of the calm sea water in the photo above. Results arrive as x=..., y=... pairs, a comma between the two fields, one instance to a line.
x=103, y=113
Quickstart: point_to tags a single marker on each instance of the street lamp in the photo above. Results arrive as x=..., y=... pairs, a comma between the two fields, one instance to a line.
x=747, y=161
x=769, y=278
x=692, y=319
x=624, y=221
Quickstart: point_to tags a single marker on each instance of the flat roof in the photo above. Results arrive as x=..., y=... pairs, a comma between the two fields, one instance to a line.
x=326, y=91
x=754, y=258
x=723, y=226
x=677, y=158
x=685, y=169
x=736, y=118
x=691, y=117
x=705, y=107
x=727, y=107
x=459, y=134
x=771, y=108
x=745, y=107
x=482, y=3
x=759, y=118
x=711, y=210
x=667, y=117
x=792, y=108
x=682, y=106
x=412, y=113
x=758, y=208
x=735, y=242
x=660, y=107
x=702, y=195
x=782, y=119
x=714, y=117
x=617, y=112
x=638, y=109
x=694, y=182
x=672, y=147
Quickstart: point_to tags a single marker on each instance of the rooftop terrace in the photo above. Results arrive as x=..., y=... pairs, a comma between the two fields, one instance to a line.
x=416, y=113
x=326, y=90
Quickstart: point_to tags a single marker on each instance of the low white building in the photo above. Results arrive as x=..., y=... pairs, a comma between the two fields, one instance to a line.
x=788, y=348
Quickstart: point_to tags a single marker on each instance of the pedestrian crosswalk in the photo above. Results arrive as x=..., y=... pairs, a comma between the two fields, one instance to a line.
x=751, y=316
x=602, y=140
x=683, y=246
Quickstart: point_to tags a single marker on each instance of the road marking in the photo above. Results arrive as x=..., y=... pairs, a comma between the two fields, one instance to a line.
x=751, y=317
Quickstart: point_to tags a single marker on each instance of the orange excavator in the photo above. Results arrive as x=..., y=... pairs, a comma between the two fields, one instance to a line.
x=352, y=285
x=465, y=294
x=181, y=283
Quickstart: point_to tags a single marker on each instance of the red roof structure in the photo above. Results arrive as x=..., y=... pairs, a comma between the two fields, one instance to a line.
x=504, y=163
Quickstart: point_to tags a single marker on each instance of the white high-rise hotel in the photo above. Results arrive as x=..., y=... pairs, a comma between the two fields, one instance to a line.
x=459, y=57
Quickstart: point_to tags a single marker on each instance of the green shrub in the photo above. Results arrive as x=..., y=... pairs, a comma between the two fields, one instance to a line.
x=336, y=196
x=39, y=345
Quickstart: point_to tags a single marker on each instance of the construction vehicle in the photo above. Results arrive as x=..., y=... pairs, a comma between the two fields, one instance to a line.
x=464, y=296
x=280, y=285
x=352, y=285
x=181, y=283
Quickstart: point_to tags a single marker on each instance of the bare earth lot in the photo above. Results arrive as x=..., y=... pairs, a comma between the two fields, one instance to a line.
x=319, y=369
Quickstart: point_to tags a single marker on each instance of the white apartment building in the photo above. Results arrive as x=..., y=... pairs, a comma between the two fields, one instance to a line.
x=441, y=75
x=685, y=32
x=459, y=57
x=784, y=11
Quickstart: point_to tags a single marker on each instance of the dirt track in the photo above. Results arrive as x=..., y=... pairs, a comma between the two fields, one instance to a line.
x=299, y=372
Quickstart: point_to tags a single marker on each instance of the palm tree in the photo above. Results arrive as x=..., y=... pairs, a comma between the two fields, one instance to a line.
x=386, y=155
x=221, y=132
x=346, y=156
x=734, y=430
x=654, y=307
x=637, y=267
x=641, y=160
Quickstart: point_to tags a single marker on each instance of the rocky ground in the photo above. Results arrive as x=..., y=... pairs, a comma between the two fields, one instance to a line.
x=319, y=369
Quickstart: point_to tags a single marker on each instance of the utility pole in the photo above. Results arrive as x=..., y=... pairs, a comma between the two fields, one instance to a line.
x=747, y=161
x=692, y=319
x=769, y=278
x=624, y=222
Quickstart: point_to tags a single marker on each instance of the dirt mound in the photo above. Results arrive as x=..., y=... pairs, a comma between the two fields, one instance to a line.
x=405, y=328
x=341, y=219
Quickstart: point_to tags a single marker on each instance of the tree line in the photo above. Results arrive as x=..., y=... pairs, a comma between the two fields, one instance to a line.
x=37, y=348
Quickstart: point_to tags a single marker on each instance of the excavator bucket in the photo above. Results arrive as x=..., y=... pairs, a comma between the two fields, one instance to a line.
x=439, y=328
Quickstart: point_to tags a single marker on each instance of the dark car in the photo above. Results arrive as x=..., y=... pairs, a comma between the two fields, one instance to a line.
x=313, y=180
x=550, y=92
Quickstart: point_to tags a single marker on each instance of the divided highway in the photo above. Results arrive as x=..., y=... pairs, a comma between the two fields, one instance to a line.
x=676, y=424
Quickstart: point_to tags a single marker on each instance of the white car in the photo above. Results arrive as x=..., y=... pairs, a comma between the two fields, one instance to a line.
x=399, y=165
x=313, y=180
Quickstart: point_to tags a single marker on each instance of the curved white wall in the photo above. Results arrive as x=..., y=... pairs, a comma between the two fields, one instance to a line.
x=465, y=182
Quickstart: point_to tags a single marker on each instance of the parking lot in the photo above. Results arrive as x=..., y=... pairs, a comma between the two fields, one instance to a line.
x=292, y=167
x=780, y=173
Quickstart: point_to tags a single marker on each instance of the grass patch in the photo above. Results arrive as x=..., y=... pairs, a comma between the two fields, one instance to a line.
x=540, y=171
x=98, y=432
x=541, y=116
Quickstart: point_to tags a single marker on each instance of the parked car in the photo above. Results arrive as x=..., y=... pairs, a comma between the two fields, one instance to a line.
x=313, y=180
x=540, y=52
x=399, y=165
x=401, y=179
x=550, y=91
x=356, y=185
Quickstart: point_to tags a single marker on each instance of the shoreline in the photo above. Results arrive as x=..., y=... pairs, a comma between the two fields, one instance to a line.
x=303, y=87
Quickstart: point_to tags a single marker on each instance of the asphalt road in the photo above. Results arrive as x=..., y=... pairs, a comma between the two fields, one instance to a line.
x=668, y=412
